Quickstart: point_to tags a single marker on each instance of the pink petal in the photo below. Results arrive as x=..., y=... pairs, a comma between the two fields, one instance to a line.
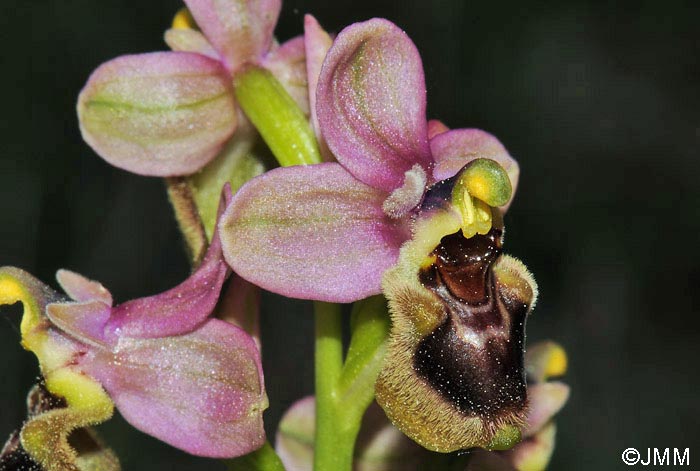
x=202, y=392
x=241, y=30
x=371, y=103
x=317, y=43
x=311, y=232
x=180, y=309
x=190, y=40
x=240, y=306
x=436, y=127
x=546, y=399
x=294, y=441
x=452, y=150
x=288, y=64
x=163, y=113
x=82, y=289
x=84, y=321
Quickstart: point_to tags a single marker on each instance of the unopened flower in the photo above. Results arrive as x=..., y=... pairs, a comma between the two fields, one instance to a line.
x=330, y=231
x=171, y=370
x=170, y=113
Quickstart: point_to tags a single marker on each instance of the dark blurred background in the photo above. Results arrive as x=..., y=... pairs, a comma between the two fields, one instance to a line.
x=600, y=104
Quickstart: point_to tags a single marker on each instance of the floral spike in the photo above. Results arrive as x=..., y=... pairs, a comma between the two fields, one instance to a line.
x=170, y=113
x=329, y=231
x=193, y=382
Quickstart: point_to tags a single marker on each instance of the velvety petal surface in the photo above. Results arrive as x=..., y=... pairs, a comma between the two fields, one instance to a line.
x=163, y=113
x=311, y=232
x=288, y=64
x=454, y=149
x=202, y=392
x=241, y=30
x=317, y=42
x=371, y=103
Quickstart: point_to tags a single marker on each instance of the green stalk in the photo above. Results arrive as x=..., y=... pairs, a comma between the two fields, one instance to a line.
x=262, y=459
x=277, y=117
x=334, y=443
x=344, y=391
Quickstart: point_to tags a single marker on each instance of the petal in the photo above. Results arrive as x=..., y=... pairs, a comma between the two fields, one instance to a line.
x=163, y=113
x=452, y=150
x=371, y=103
x=546, y=399
x=190, y=40
x=84, y=322
x=180, y=309
x=240, y=306
x=317, y=42
x=202, y=392
x=288, y=64
x=436, y=127
x=311, y=232
x=241, y=30
x=294, y=441
x=82, y=289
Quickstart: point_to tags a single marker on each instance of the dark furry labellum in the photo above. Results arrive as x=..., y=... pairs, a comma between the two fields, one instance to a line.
x=454, y=375
x=475, y=358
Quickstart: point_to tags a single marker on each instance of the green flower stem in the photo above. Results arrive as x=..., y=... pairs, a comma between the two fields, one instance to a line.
x=370, y=328
x=343, y=392
x=262, y=459
x=277, y=117
x=334, y=442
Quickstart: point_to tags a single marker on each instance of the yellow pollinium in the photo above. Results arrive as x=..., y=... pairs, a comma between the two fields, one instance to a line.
x=481, y=185
x=183, y=20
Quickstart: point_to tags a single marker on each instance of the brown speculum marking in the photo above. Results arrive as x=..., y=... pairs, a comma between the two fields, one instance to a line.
x=475, y=358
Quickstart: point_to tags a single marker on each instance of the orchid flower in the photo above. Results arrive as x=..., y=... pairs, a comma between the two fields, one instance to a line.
x=170, y=113
x=329, y=231
x=382, y=447
x=172, y=372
